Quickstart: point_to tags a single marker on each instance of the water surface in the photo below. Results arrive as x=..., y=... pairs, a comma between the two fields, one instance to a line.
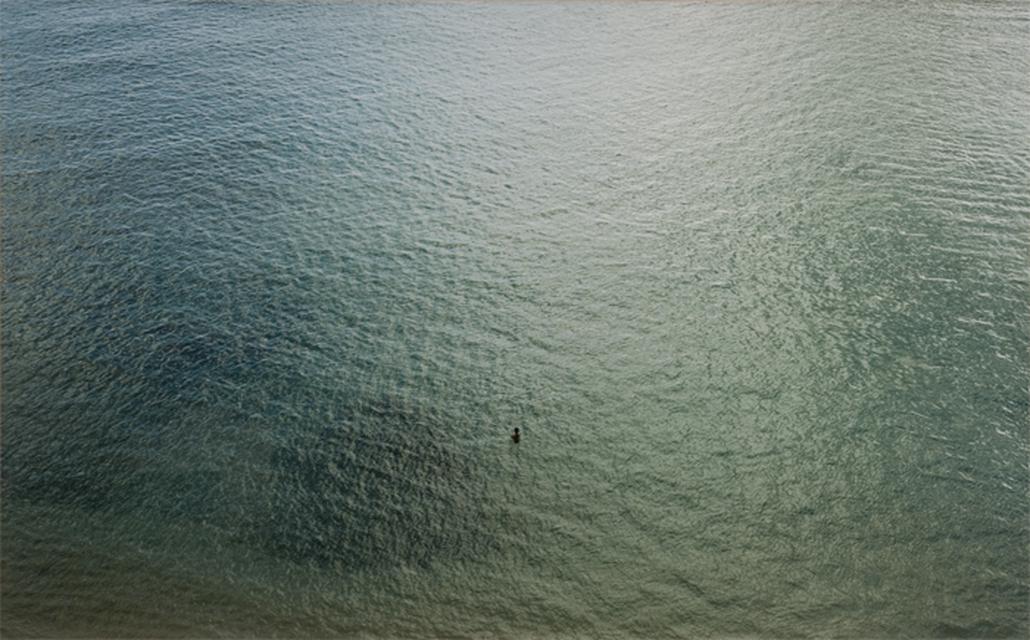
x=280, y=277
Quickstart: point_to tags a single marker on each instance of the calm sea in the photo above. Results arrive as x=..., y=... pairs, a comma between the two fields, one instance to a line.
x=280, y=277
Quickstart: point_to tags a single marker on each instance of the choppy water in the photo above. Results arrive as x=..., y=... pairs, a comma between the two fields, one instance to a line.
x=279, y=278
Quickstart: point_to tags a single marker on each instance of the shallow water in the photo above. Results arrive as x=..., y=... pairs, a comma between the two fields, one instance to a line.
x=280, y=277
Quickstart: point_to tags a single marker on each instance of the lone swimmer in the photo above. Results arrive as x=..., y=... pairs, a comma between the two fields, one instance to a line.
x=515, y=436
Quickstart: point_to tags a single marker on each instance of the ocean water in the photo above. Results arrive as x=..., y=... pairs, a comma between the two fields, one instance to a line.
x=280, y=277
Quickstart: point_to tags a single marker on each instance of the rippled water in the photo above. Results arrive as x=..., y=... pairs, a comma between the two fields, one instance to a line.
x=280, y=277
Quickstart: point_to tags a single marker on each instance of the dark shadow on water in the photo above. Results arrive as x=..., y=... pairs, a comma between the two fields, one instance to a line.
x=382, y=487
x=386, y=484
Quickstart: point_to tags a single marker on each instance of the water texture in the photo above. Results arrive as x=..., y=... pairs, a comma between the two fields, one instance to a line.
x=280, y=277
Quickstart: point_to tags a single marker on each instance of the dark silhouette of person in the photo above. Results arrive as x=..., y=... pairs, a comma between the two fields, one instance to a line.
x=515, y=436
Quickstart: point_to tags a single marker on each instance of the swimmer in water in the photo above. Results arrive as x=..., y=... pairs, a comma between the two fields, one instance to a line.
x=515, y=436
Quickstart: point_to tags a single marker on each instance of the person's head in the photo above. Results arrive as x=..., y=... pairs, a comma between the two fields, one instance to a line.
x=516, y=429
